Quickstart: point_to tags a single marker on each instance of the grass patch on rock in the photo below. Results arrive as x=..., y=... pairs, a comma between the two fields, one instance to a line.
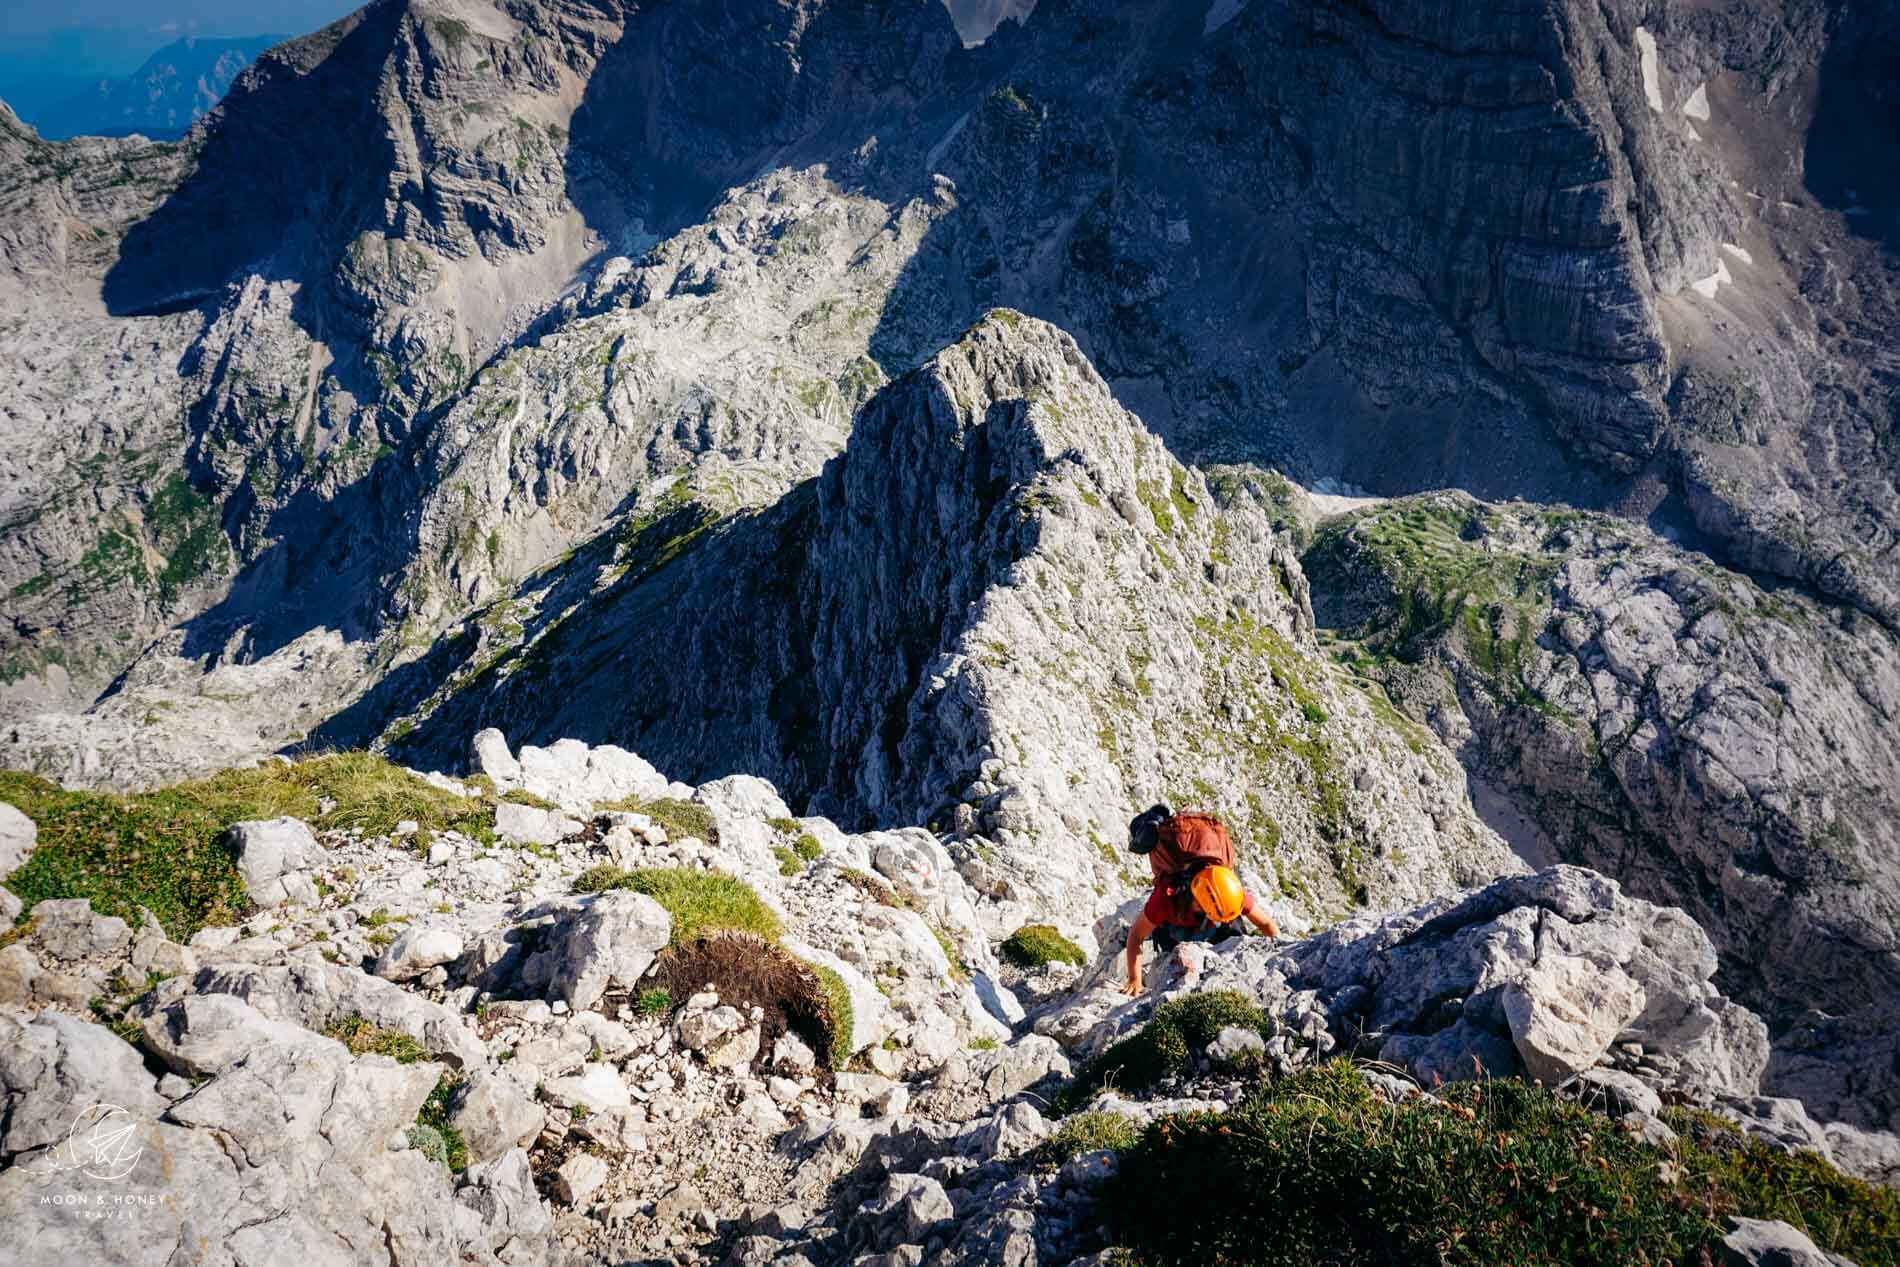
x=362, y=1037
x=1164, y=1045
x=434, y=1118
x=1857, y=1220
x=679, y=819
x=1085, y=1133
x=843, y=1019
x=165, y=849
x=1034, y=945
x=1318, y=1168
x=700, y=902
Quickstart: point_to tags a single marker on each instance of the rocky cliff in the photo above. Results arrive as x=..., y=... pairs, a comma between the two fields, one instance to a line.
x=1722, y=747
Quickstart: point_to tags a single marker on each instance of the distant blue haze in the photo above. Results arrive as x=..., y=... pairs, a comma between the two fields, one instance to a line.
x=54, y=53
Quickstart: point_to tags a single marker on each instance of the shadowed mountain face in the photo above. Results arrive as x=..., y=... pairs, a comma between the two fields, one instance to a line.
x=476, y=362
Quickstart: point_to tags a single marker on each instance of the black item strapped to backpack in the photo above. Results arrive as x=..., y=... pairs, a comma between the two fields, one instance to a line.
x=1144, y=832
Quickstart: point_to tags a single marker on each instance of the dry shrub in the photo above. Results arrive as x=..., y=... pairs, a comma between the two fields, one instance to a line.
x=746, y=971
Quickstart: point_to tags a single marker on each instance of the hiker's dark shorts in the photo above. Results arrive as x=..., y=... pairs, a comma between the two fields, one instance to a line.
x=1168, y=936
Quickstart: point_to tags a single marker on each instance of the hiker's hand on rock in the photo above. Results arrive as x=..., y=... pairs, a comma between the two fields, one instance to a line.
x=1134, y=984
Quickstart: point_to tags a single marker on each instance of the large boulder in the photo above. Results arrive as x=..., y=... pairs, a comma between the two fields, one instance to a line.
x=743, y=796
x=607, y=943
x=418, y=948
x=577, y=777
x=489, y=755
x=1565, y=1012
x=493, y=1116
x=531, y=825
x=506, y=1217
x=68, y=928
x=274, y=857
x=312, y=992
x=202, y=1035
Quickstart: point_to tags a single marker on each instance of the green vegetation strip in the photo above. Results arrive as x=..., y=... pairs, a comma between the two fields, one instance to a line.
x=700, y=902
x=838, y=1000
x=1164, y=1045
x=1316, y=1168
x=434, y=1118
x=164, y=850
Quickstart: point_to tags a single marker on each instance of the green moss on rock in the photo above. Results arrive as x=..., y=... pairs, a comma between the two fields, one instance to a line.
x=1034, y=945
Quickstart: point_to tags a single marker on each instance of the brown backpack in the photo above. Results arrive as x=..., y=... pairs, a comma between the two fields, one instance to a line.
x=1185, y=844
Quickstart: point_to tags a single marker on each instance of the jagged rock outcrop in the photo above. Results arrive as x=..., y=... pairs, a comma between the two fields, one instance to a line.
x=284, y=1148
x=1715, y=745
x=1462, y=985
x=1005, y=609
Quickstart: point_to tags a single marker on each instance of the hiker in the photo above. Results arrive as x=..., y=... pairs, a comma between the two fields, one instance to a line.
x=1197, y=893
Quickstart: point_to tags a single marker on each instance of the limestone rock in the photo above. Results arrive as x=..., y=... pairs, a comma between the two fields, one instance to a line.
x=1237, y=1047
x=744, y=795
x=1772, y=1243
x=202, y=1035
x=576, y=777
x=1565, y=1013
x=721, y=1035
x=527, y=825
x=315, y=994
x=489, y=755
x=906, y=1209
x=18, y=835
x=493, y=1116
x=998, y=1000
x=54, y=1067
x=273, y=859
x=596, y=1088
x=152, y=951
x=509, y=1219
x=578, y=1178
x=418, y=948
x=67, y=928
x=606, y=943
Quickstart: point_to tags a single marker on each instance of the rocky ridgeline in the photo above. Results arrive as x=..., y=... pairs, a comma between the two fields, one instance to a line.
x=427, y=1050
x=1006, y=611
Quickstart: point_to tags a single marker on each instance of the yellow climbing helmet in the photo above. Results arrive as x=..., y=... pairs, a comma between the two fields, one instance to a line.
x=1218, y=893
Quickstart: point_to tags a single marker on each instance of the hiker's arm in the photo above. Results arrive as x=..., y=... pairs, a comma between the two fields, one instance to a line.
x=1257, y=916
x=1138, y=934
